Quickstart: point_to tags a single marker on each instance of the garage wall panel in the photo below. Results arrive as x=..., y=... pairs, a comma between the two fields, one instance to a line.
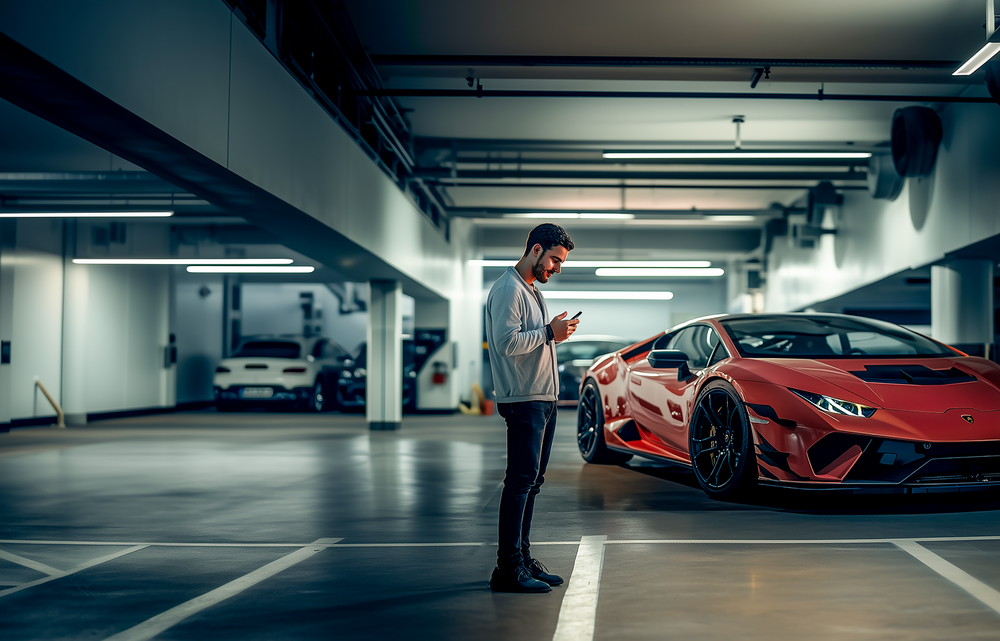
x=944, y=212
x=37, y=317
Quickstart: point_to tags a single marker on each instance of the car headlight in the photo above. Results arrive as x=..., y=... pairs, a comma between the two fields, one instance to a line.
x=835, y=405
x=360, y=372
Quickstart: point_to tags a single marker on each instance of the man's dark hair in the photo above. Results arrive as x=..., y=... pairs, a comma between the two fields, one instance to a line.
x=548, y=236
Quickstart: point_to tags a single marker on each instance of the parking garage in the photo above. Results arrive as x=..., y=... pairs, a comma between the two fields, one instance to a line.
x=245, y=249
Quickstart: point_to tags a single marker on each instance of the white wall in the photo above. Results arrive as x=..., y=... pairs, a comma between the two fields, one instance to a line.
x=197, y=325
x=36, y=342
x=957, y=205
x=127, y=329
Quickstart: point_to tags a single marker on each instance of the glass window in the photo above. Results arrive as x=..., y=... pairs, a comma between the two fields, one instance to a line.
x=332, y=349
x=268, y=349
x=697, y=342
x=823, y=336
x=720, y=353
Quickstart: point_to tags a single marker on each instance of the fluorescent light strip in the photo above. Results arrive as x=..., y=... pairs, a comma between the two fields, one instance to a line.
x=566, y=216
x=989, y=50
x=569, y=264
x=661, y=273
x=251, y=269
x=591, y=295
x=737, y=155
x=182, y=261
x=87, y=214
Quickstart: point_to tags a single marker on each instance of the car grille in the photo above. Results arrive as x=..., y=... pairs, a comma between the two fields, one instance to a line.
x=911, y=462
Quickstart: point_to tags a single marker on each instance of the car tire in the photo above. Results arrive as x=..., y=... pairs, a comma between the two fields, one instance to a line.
x=590, y=429
x=721, y=443
x=316, y=402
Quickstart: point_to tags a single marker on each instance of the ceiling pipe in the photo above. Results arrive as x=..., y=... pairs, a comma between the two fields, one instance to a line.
x=697, y=95
x=648, y=61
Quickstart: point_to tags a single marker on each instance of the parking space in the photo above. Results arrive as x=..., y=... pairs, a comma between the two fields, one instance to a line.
x=200, y=525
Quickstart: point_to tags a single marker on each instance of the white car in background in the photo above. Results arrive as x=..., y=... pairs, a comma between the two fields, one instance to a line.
x=294, y=371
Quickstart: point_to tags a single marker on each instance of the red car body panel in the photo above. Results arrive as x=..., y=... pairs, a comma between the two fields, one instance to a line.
x=912, y=425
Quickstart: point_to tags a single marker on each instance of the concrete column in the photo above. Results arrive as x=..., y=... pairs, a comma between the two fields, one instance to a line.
x=8, y=240
x=962, y=305
x=75, y=372
x=384, y=394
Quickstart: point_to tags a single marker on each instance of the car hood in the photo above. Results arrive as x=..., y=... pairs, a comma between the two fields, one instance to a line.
x=915, y=385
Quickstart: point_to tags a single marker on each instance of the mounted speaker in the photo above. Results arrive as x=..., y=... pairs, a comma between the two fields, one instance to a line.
x=916, y=134
x=993, y=78
x=883, y=180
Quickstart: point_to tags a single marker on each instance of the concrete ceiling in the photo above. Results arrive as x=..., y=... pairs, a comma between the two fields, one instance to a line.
x=490, y=155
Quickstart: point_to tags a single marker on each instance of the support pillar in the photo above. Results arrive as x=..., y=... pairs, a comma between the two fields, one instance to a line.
x=962, y=305
x=384, y=394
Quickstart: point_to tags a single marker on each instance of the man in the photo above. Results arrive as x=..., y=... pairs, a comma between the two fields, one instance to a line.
x=522, y=348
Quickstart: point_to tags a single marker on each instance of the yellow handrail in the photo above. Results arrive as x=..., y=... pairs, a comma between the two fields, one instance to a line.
x=60, y=418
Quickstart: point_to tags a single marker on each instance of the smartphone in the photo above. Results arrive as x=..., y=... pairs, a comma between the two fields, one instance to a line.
x=577, y=315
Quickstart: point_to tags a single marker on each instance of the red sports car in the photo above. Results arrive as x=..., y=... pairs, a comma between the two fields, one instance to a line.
x=822, y=401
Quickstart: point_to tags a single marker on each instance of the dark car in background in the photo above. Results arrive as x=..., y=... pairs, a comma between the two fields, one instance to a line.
x=352, y=386
x=575, y=356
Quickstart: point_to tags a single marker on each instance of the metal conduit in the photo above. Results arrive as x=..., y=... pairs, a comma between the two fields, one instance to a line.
x=649, y=61
x=698, y=95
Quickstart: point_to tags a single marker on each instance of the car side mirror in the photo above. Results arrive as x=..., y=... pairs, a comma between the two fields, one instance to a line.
x=670, y=359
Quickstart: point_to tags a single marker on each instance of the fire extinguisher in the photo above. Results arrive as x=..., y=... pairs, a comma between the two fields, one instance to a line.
x=440, y=373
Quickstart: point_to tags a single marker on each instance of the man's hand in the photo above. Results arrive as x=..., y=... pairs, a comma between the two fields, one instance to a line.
x=563, y=329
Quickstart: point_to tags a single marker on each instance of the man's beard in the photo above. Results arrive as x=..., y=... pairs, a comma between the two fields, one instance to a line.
x=540, y=273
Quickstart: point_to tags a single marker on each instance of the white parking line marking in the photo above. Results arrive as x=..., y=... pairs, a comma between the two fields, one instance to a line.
x=79, y=568
x=578, y=614
x=166, y=620
x=984, y=593
x=927, y=539
x=29, y=563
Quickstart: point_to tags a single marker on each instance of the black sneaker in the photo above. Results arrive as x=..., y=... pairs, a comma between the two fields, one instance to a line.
x=516, y=579
x=541, y=572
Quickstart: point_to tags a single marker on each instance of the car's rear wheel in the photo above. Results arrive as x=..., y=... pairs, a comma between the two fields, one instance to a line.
x=316, y=401
x=720, y=442
x=590, y=429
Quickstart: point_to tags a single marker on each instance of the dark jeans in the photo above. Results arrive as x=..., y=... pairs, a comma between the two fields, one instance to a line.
x=530, y=427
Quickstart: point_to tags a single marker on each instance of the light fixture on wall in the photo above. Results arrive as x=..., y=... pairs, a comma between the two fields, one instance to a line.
x=737, y=155
x=606, y=295
x=182, y=261
x=988, y=50
x=86, y=214
x=574, y=216
x=251, y=269
x=627, y=272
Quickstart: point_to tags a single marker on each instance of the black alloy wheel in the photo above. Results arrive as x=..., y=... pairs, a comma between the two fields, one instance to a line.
x=590, y=429
x=721, y=446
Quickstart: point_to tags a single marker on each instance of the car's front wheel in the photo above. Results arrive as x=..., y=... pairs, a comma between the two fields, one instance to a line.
x=720, y=442
x=590, y=429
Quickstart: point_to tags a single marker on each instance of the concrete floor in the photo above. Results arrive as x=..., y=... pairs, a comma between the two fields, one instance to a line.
x=279, y=526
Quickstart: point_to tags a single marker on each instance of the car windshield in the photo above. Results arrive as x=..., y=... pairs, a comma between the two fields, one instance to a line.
x=826, y=337
x=268, y=349
x=571, y=351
